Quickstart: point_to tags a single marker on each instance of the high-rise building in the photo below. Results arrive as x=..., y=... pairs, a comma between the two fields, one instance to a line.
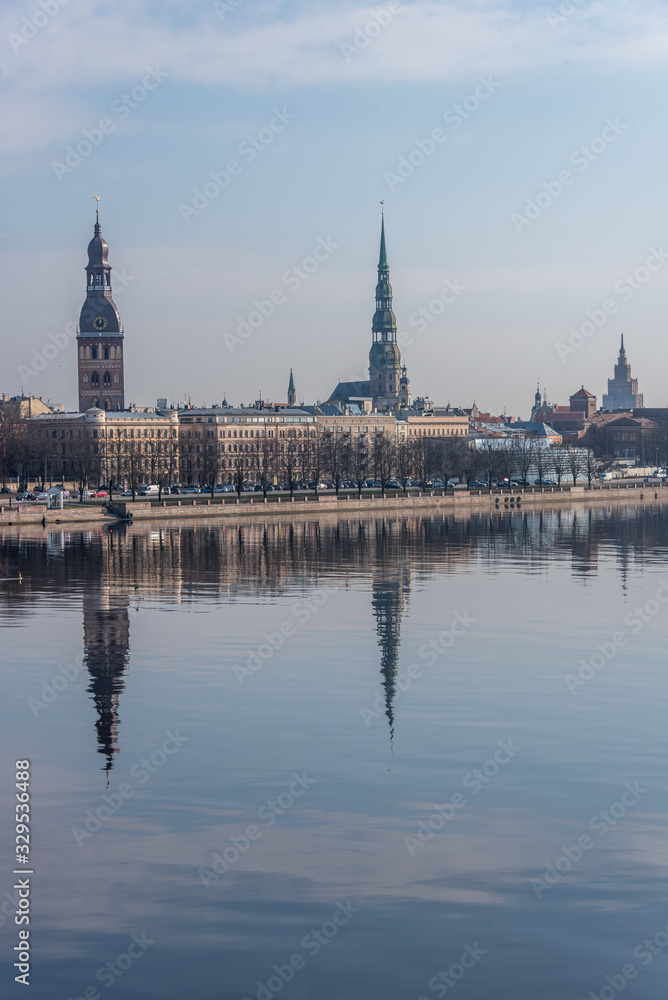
x=100, y=334
x=622, y=391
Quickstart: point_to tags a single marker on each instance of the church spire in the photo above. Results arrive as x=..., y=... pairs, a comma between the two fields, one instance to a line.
x=384, y=356
x=382, y=260
x=384, y=321
x=292, y=392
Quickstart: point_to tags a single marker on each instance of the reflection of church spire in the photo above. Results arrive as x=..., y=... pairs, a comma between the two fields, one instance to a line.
x=106, y=652
x=388, y=606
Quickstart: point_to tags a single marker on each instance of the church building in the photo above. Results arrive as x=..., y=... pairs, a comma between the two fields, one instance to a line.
x=100, y=334
x=388, y=386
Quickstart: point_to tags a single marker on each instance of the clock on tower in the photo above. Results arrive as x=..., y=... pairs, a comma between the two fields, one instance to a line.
x=100, y=335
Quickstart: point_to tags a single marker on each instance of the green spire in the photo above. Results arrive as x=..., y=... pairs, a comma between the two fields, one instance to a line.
x=382, y=261
x=384, y=324
x=291, y=384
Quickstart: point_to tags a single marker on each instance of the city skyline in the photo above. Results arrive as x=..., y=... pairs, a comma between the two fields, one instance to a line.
x=98, y=291
x=517, y=99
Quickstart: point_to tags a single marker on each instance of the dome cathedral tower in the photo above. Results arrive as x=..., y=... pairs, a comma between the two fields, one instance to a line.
x=100, y=334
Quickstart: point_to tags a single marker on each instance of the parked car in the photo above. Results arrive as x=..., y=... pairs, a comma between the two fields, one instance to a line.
x=478, y=484
x=190, y=489
x=25, y=496
x=100, y=494
x=126, y=493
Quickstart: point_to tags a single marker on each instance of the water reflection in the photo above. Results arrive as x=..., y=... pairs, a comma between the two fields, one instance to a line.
x=106, y=635
x=115, y=568
x=167, y=611
x=390, y=591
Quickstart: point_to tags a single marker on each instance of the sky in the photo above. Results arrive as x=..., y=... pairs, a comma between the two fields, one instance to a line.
x=241, y=149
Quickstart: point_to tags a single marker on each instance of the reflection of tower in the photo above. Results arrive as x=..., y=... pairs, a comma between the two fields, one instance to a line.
x=106, y=652
x=390, y=592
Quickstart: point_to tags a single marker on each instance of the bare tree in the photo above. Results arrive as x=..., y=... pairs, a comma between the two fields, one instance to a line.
x=384, y=458
x=210, y=461
x=312, y=451
x=425, y=458
x=134, y=466
x=239, y=472
x=336, y=456
x=489, y=461
x=559, y=463
x=404, y=465
x=590, y=465
x=359, y=462
x=81, y=457
x=524, y=457
x=265, y=459
x=543, y=462
x=292, y=460
x=575, y=463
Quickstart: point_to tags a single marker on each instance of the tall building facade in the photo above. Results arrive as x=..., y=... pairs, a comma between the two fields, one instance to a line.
x=100, y=334
x=622, y=391
x=384, y=356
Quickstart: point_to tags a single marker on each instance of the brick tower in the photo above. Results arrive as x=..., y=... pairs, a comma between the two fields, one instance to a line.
x=100, y=335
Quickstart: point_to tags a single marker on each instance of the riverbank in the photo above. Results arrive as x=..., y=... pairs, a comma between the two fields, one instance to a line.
x=254, y=506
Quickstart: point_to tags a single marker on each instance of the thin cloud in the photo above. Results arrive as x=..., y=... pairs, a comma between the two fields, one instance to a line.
x=424, y=41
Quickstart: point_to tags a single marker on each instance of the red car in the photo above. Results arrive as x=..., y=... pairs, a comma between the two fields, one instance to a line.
x=100, y=493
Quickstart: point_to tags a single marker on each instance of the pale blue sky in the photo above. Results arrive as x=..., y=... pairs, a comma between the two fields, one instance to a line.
x=321, y=178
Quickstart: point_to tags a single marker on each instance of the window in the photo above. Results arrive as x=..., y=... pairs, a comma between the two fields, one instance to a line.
x=116, y=379
x=106, y=354
x=107, y=378
x=84, y=379
x=95, y=378
x=95, y=354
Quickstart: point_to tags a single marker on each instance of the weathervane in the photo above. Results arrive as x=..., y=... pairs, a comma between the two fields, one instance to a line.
x=97, y=207
x=382, y=211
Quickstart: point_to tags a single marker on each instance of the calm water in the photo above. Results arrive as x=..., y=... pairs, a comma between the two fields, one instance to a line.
x=286, y=704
